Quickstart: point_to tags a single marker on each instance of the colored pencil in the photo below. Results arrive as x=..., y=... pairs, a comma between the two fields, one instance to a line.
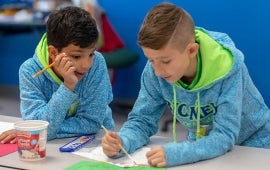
x=43, y=70
x=122, y=148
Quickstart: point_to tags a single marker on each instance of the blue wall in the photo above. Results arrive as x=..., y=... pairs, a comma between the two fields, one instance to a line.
x=15, y=48
x=247, y=22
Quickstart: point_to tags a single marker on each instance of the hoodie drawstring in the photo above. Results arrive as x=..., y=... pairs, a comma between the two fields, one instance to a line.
x=198, y=108
x=174, y=114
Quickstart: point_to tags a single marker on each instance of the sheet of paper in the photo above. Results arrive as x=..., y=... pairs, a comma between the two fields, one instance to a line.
x=6, y=126
x=7, y=148
x=98, y=155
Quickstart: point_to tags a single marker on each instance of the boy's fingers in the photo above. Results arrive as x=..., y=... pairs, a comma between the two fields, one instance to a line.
x=111, y=139
x=13, y=141
x=110, y=144
x=11, y=138
x=5, y=140
x=8, y=136
x=112, y=135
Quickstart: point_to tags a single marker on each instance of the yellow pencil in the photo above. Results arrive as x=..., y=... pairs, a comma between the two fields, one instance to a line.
x=122, y=148
x=43, y=70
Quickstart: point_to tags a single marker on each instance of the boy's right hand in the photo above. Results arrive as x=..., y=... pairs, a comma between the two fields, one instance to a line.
x=111, y=144
x=66, y=69
x=8, y=136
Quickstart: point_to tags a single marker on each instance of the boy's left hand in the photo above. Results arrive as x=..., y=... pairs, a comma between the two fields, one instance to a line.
x=8, y=136
x=156, y=157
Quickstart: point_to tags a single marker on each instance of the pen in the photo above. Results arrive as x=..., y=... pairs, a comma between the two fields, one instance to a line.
x=122, y=148
x=43, y=70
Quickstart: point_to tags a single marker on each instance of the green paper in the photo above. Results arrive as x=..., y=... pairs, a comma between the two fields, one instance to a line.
x=86, y=165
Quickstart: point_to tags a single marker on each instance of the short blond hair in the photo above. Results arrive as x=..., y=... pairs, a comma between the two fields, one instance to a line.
x=166, y=23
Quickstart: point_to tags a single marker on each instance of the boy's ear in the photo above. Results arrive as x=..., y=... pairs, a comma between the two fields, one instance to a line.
x=193, y=48
x=53, y=52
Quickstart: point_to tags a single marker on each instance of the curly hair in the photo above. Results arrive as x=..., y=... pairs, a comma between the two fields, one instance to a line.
x=71, y=25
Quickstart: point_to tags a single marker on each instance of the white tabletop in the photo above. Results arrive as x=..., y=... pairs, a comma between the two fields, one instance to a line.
x=240, y=158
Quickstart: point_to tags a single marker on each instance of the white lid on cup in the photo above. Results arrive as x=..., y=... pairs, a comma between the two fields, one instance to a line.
x=28, y=125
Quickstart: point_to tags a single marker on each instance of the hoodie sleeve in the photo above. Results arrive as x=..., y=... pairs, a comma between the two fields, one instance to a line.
x=43, y=99
x=226, y=127
x=143, y=120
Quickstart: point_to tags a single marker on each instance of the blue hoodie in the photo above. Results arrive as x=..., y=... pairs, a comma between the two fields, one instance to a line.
x=223, y=99
x=69, y=113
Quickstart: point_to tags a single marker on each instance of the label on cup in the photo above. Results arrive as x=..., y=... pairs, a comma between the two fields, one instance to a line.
x=31, y=139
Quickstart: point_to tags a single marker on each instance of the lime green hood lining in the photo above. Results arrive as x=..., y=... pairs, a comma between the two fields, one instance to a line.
x=214, y=60
x=43, y=57
x=197, y=76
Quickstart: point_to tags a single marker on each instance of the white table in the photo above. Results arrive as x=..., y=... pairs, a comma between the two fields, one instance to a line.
x=240, y=158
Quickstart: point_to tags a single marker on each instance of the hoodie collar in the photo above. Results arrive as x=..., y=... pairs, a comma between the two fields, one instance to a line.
x=214, y=62
x=43, y=57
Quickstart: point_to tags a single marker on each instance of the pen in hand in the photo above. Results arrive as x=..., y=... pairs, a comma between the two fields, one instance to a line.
x=122, y=148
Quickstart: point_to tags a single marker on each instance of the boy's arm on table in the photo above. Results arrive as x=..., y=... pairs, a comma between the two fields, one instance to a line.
x=143, y=120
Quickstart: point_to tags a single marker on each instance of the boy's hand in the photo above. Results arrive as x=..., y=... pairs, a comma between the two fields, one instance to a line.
x=156, y=157
x=65, y=67
x=111, y=144
x=8, y=136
